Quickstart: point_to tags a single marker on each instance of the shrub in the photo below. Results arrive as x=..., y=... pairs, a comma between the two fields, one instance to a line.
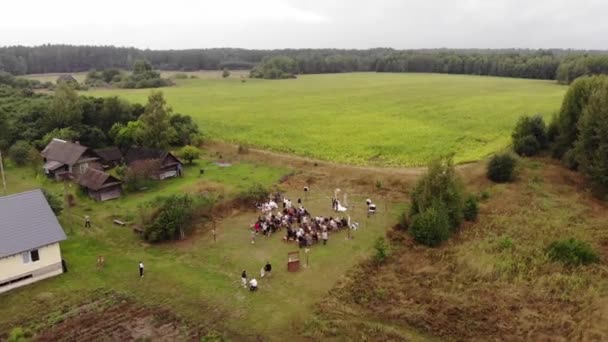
x=441, y=185
x=569, y=159
x=501, y=168
x=18, y=334
x=254, y=194
x=591, y=148
x=20, y=152
x=471, y=208
x=171, y=218
x=190, y=153
x=505, y=243
x=432, y=226
x=530, y=135
x=54, y=202
x=526, y=146
x=572, y=252
x=382, y=252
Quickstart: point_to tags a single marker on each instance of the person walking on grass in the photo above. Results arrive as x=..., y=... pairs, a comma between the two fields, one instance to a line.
x=253, y=234
x=141, y=269
x=324, y=236
x=244, y=279
x=267, y=269
x=87, y=221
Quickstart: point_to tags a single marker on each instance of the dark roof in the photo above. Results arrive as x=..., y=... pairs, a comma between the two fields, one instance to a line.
x=66, y=78
x=96, y=180
x=109, y=154
x=63, y=151
x=144, y=153
x=27, y=223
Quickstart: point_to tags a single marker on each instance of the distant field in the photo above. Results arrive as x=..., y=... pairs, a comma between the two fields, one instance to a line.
x=80, y=76
x=362, y=118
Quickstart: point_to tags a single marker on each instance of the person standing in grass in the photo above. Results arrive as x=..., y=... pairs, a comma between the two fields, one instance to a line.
x=268, y=269
x=87, y=221
x=253, y=285
x=244, y=278
x=324, y=236
x=253, y=233
x=141, y=269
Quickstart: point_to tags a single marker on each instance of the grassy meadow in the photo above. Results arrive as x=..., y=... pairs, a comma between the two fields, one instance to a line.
x=361, y=118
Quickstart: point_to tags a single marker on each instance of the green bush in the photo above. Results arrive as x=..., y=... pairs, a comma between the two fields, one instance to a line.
x=471, y=208
x=382, y=250
x=170, y=218
x=591, y=148
x=190, y=153
x=432, y=226
x=530, y=135
x=526, y=146
x=254, y=194
x=569, y=159
x=440, y=185
x=55, y=202
x=501, y=168
x=20, y=152
x=18, y=334
x=572, y=252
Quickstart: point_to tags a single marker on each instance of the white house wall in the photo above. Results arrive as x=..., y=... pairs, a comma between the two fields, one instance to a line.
x=13, y=267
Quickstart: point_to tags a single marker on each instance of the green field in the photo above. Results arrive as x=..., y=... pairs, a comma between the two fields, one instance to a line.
x=362, y=118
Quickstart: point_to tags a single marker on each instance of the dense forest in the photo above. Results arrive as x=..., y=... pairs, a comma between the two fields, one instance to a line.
x=562, y=65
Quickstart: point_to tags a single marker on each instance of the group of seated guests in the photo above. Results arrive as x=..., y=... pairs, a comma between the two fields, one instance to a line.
x=299, y=225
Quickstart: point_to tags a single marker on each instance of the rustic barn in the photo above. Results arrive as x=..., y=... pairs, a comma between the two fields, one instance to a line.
x=99, y=185
x=168, y=165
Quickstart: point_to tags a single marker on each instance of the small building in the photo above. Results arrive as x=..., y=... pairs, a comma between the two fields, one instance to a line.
x=109, y=156
x=99, y=185
x=67, y=78
x=63, y=159
x=168, y=165
x=29, y=240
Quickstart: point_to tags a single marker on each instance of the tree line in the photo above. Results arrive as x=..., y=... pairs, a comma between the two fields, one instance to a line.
x=29, y=121
x=562, y=65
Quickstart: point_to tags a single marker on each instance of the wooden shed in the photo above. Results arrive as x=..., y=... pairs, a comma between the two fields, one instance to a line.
x=100, y=186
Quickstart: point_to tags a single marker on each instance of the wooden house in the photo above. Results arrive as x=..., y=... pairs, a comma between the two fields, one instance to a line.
x=168, y=165
x=63, y=159
x=99, y=185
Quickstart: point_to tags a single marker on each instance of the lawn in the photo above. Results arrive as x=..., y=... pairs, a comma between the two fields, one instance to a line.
x=197, y=278
x=362, y=118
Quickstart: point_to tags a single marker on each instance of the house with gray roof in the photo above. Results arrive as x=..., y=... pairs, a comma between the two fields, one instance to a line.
x=29, y=240
x=64, y=159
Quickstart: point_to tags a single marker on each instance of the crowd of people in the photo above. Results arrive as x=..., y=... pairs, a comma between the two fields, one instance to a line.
x=297, y=223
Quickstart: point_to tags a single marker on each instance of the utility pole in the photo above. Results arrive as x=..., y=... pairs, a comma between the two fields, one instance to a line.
x=2, y=171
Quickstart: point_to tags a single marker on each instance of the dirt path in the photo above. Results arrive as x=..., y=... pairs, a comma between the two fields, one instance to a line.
x=230, y=151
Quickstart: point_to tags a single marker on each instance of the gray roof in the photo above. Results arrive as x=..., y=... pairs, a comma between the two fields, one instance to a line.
x=63, y=151
x=27, y=222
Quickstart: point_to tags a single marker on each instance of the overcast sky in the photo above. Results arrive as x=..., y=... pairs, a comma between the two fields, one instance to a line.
x=265, y=24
